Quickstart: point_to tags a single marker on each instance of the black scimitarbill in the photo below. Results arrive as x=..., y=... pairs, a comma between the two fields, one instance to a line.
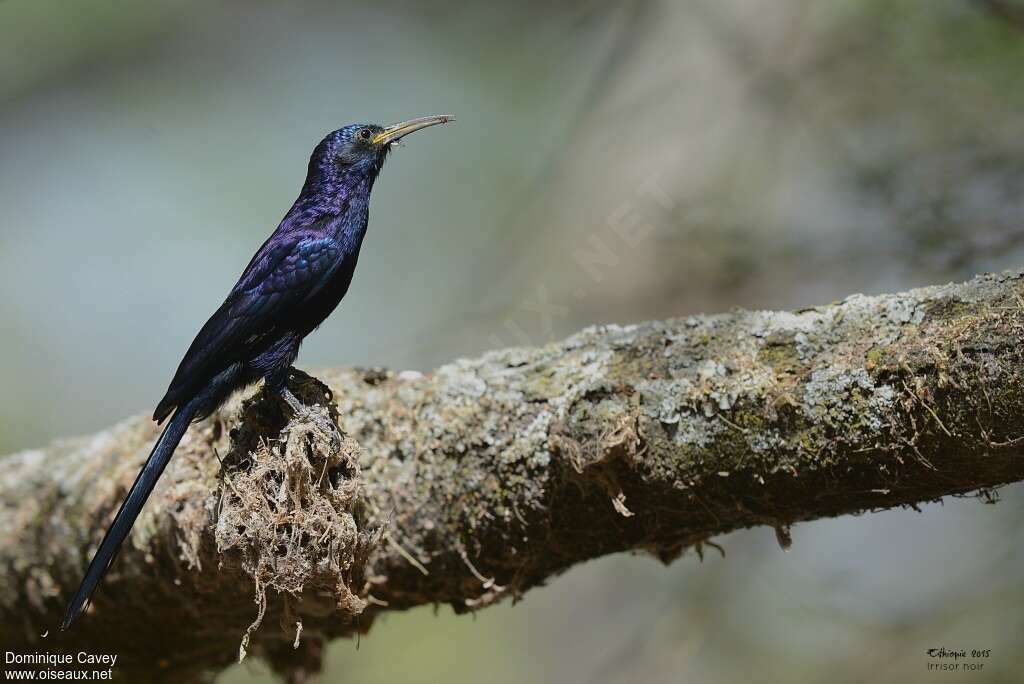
x=294, y=281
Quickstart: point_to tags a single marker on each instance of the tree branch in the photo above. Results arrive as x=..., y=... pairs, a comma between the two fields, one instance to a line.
x=489, y=476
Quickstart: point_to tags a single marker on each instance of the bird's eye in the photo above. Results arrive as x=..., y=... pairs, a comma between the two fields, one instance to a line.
x=365, y=134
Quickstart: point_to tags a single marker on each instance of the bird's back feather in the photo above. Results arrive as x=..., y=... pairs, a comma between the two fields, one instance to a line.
x=283, y=275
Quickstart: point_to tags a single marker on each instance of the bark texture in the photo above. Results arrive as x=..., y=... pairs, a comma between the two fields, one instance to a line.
x=476, y=482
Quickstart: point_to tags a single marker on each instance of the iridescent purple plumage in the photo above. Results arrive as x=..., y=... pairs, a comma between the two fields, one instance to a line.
x=293, y=282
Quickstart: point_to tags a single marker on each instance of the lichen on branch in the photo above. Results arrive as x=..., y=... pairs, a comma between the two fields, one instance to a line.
x=476, y=482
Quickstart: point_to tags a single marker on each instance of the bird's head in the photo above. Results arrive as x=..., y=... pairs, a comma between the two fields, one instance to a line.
x=356, y=153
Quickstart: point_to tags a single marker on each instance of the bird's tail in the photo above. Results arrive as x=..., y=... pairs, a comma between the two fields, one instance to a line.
x=130, y=508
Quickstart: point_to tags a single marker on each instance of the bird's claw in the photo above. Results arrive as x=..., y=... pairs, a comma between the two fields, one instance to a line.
x=293, y=402
x=310, y=414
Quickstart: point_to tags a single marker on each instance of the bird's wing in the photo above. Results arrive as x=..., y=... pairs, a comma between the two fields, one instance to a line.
x=282, y=275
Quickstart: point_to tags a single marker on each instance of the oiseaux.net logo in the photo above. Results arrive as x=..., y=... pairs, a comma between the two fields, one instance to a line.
x=49, y=666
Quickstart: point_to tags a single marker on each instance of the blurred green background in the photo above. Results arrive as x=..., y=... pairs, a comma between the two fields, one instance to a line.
x=756, y=153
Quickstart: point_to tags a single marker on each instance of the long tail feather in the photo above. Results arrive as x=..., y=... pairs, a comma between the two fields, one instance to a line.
x=129, y=511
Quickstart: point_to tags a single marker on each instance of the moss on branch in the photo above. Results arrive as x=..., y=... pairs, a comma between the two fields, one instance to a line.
x=476, y=482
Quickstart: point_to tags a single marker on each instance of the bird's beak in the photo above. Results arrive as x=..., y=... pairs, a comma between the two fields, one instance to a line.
x=397, y=131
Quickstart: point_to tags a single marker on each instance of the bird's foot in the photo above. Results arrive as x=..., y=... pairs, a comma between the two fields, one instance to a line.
x=311, y=414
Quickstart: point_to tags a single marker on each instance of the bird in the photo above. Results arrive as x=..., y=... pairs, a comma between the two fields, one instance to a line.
x=292, y=284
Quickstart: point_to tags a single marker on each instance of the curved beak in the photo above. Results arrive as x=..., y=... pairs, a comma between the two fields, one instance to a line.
x=397, y=131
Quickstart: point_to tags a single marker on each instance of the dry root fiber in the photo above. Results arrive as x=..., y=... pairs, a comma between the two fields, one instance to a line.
x=287, y=510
